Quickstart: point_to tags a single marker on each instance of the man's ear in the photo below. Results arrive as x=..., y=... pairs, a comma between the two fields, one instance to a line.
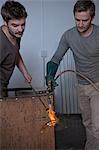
x=5, y=23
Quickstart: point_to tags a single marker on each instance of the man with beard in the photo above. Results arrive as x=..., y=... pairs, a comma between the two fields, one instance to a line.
x=83, y=40
x=14, y=16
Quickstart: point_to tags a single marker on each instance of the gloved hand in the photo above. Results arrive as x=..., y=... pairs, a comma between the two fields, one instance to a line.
x=51, y=83
x=51, y=71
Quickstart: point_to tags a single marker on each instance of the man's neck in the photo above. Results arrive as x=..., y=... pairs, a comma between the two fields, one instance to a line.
x=88, y=32
x=11, y=38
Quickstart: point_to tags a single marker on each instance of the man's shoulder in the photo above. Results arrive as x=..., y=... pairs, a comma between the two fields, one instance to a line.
x=96, y=27
x=96, y=30
x=70, y=31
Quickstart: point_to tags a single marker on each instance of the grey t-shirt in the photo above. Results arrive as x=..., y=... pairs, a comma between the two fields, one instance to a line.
x=85, y=51
x=8, y=58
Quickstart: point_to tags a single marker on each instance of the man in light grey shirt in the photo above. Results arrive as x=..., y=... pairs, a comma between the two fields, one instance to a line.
x=83, y=40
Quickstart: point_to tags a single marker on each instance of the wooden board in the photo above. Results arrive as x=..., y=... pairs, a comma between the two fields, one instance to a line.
x=20, y=122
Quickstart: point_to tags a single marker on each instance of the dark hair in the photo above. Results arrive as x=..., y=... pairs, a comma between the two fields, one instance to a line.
x=84, y=5
x=13, y=10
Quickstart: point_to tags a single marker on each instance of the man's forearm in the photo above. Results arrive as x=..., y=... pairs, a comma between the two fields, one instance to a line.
x=20, y=64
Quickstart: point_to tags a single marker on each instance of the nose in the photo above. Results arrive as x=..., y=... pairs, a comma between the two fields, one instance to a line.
x=20, y=28
x=80, y=23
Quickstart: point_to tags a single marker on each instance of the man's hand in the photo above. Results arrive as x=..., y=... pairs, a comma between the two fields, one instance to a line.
x=51, y=83
x=28, y=77
x=51, y=69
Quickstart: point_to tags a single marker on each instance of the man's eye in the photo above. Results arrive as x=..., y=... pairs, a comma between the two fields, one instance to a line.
x=14, y=25
x=85, y=20
x=77, y=20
